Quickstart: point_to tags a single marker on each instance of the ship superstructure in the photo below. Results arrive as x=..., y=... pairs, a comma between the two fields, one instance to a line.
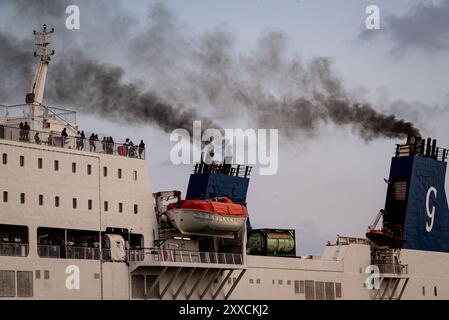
x=79, y=220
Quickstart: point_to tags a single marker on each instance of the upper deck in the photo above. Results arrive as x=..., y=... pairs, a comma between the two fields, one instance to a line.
x=46, y=127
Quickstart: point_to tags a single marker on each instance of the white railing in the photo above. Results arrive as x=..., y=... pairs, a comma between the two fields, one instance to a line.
x=54, y=139
x=184, y=256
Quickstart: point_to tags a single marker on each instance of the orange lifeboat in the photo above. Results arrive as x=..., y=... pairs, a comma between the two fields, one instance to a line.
x=220, y=217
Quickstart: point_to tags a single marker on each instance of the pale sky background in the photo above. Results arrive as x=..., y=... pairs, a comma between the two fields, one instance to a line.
x=331, y=184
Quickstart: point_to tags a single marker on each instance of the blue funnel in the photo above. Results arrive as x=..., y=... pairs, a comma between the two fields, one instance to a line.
x=416, y=206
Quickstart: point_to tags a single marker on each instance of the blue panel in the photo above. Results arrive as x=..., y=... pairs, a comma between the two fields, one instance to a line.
x=421, y=175
x=427, y=174
x=213, y=185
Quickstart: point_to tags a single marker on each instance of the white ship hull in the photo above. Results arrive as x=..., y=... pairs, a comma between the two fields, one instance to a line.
x=265, y=278
x=340, y=273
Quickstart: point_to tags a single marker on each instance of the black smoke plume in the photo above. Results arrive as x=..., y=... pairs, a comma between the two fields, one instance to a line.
x=181, y=77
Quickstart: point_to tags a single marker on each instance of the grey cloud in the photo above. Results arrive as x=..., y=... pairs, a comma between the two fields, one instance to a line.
x=424, y=27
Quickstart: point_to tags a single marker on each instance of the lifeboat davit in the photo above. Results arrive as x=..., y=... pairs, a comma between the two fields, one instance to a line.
x=219, y=217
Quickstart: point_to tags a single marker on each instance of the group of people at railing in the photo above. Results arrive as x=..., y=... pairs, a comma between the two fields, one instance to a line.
x=12, y=244
x=83, y=248
x=127, y=149
x=24, y=131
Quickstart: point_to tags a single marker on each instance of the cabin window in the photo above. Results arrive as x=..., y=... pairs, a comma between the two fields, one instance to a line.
x=25, y=284
x=5, y=196
x=319, y=290
x=302, y=286
x=22, y=198
x=56, y=201
x=296, y=286
x=22, y=161
x=120, y=207
x=56, y=165
x=13, y=241
x=74, y=203
x=89, y=204
x=41, y=199
x=119, y=173
x=105, y=171
x=39, y=163
x=338, y=290
x=136, y=209
x=330, y=291
x=73, y=167
x=8, y=280
x=135, y=175
x=5, y=158
x=89, y=169
x=105, y=206
x=310, y=289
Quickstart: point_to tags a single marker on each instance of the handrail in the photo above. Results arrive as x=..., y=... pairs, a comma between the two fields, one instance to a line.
x=224, y=169
x=392, y=268
x=184, y=256
x=72, y=252
x=14, y=249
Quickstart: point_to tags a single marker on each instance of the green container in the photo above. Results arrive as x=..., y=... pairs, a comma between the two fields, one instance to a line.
x=271, y=242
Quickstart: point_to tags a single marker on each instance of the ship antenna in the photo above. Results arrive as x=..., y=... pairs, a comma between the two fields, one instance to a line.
x=43, y=52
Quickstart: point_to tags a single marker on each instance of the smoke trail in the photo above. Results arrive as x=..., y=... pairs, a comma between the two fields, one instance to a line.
x=184, y=76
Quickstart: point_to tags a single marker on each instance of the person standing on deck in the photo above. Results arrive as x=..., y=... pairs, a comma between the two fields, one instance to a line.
x=92, y=143
x=141, y=148
x=63, y=137
x=83, y=137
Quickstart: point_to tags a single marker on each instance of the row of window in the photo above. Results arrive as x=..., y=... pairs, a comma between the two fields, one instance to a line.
x=40, y=165
x=314, y=290
x=74, y=202
x=24, y=283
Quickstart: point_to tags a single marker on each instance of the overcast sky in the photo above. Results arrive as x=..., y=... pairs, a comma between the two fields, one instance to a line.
x=332, y=183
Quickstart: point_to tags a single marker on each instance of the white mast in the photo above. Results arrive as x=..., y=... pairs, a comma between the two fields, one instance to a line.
x=36, y=95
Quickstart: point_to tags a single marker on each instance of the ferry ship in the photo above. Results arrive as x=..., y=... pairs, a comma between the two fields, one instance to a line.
x=79, y=220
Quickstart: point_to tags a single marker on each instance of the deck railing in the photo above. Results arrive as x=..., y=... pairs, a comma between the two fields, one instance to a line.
x=13, y=249
x=224, y=169
x=54, y=139
x=184, y=256
x=393, y=268
x=72, y=252
x=18, y=111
